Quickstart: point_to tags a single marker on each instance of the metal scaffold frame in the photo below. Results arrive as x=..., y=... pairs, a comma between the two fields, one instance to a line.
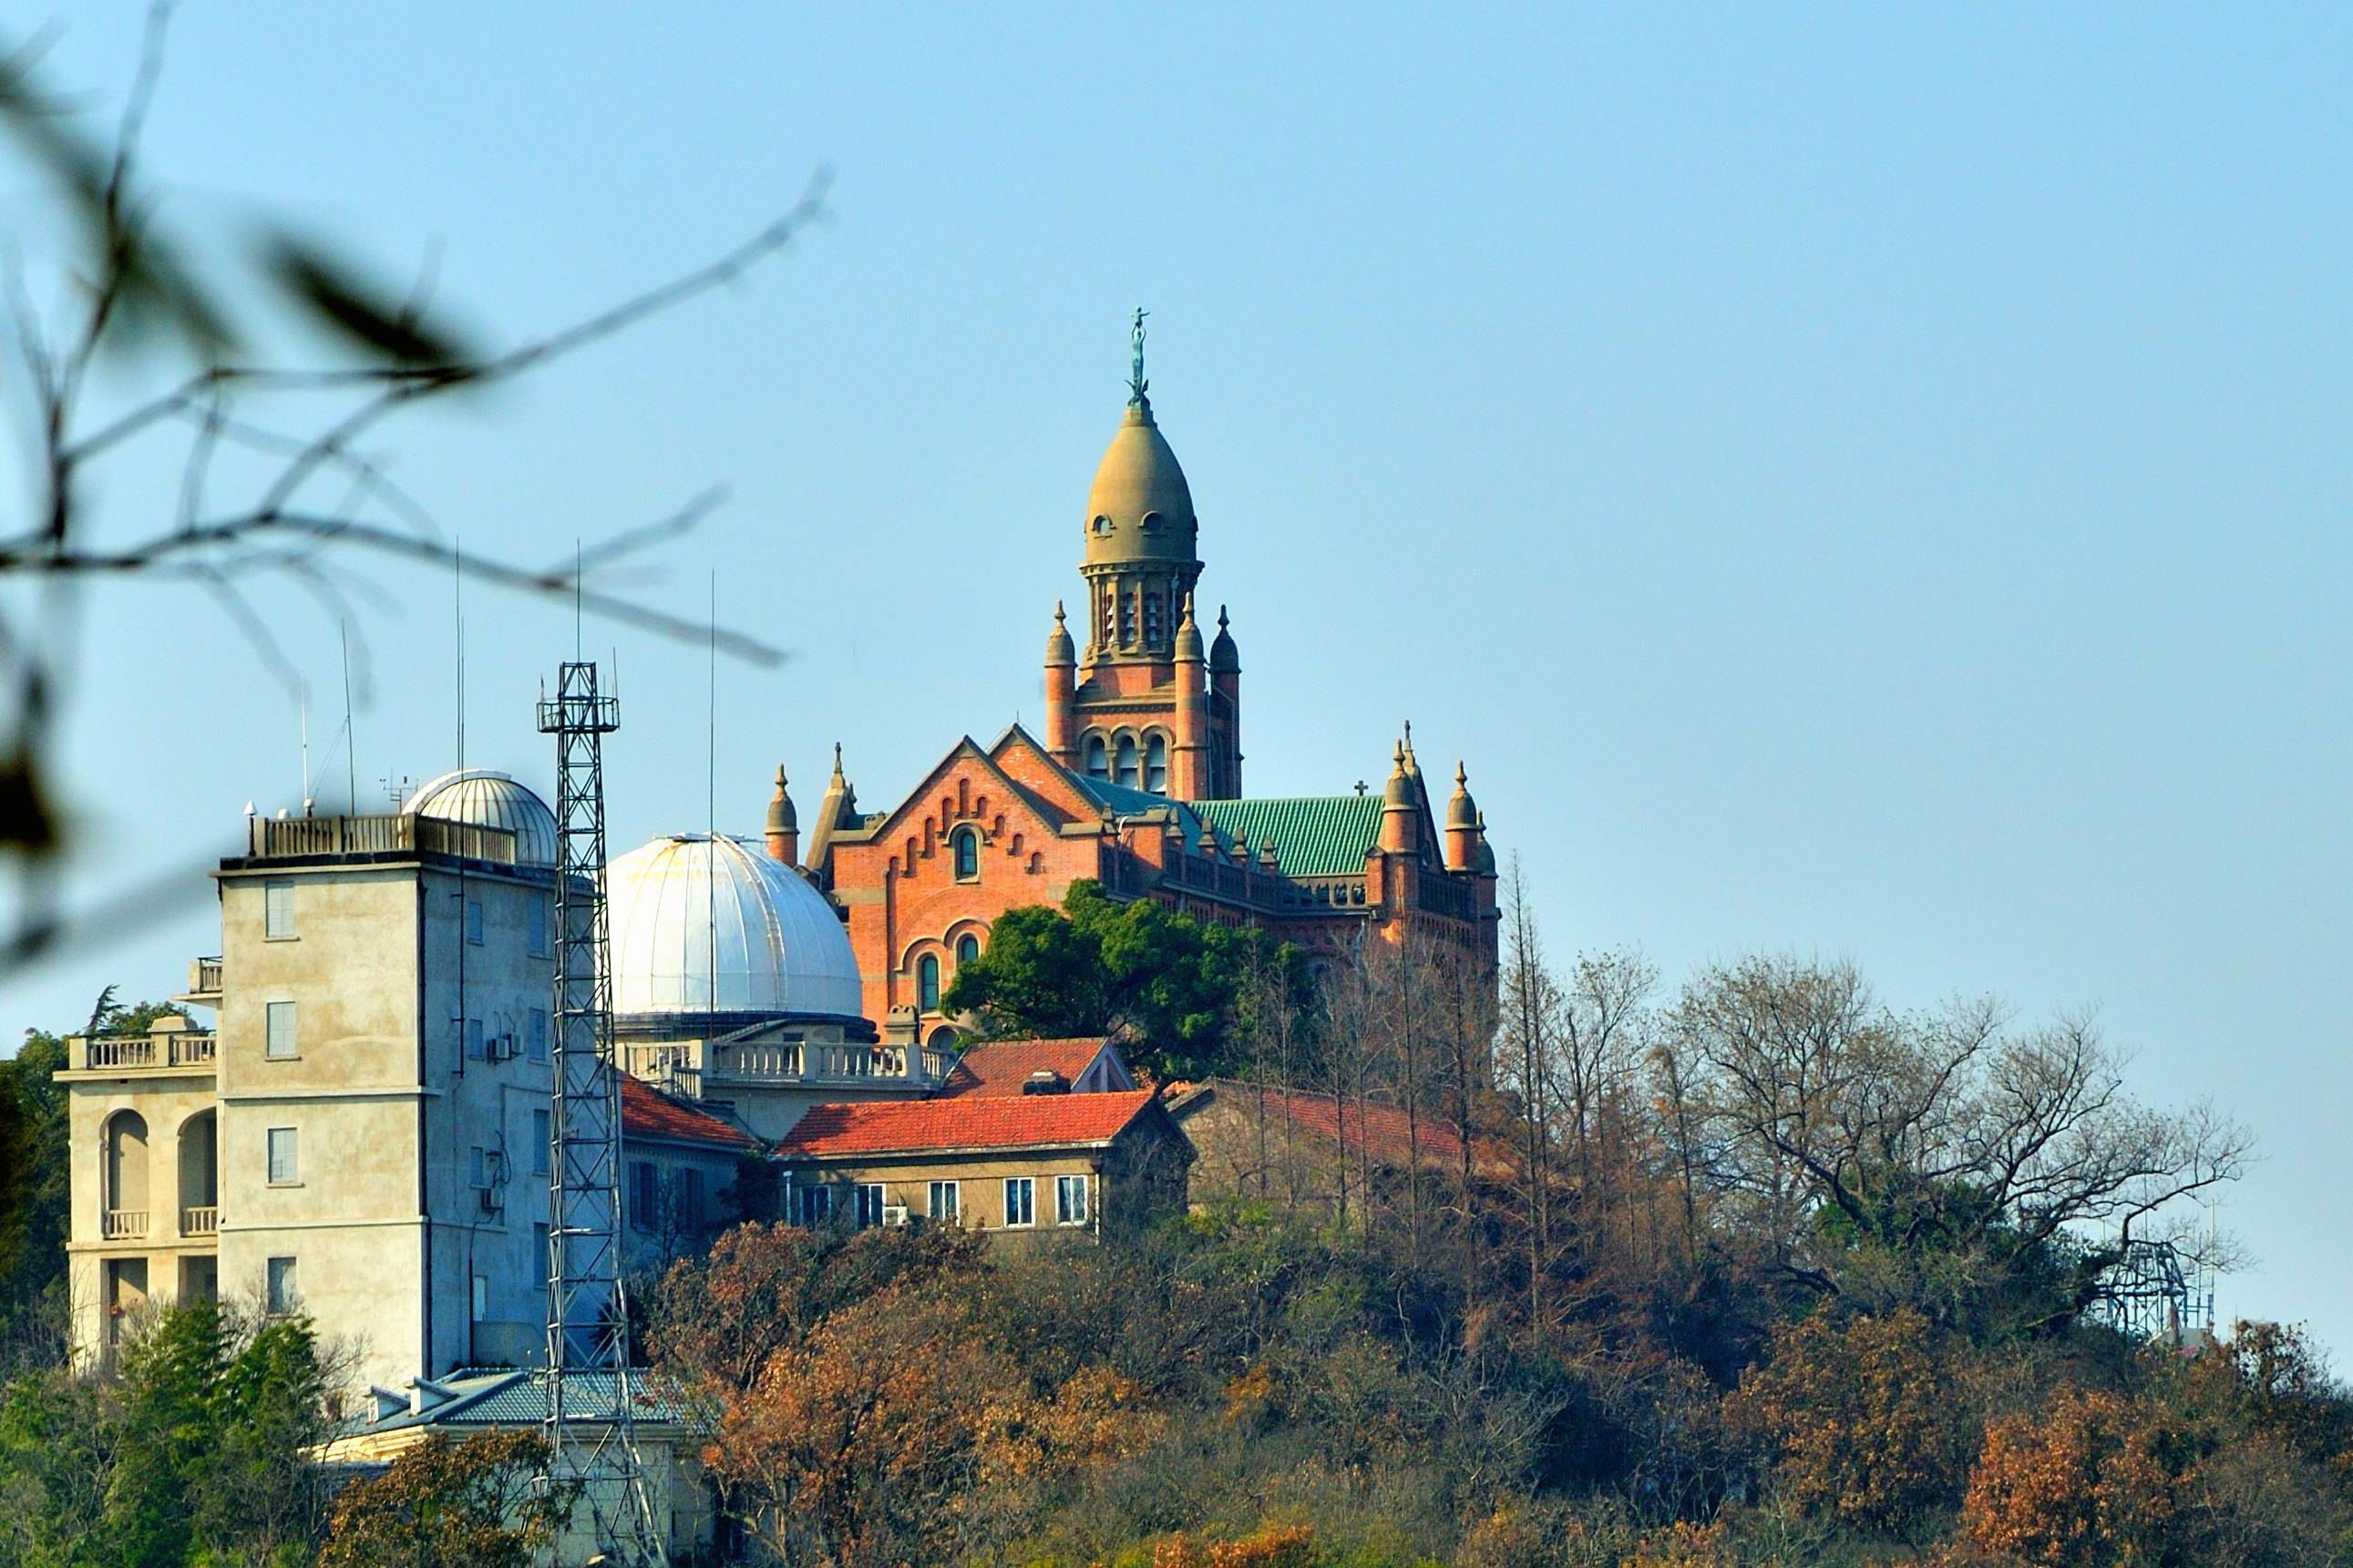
x=588, y=1307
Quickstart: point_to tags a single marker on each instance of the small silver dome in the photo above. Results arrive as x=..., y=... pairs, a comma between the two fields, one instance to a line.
x=715, y=925
x=486, y=799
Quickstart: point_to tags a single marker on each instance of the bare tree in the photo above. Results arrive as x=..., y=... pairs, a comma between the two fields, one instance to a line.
x=1950, y=1129
x=306, y=489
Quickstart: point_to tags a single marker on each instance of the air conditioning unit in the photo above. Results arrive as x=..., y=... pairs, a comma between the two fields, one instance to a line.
x=494, y=1200
x=894, y=1214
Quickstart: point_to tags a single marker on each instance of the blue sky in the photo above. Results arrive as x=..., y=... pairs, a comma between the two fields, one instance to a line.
x=1869, y=482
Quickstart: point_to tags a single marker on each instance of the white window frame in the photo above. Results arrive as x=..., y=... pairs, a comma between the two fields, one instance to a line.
x=1027, y=1187
x=866, y=1203
x=950, y=1212
x=282, y=1288
x=278, y=911
x=292, y=1148
x=1064, y=1186
x=812, y=1195
x=273, y=1038
x=481, y=1303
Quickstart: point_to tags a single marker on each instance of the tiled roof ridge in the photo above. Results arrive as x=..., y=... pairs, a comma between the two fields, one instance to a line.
x=961, y=1121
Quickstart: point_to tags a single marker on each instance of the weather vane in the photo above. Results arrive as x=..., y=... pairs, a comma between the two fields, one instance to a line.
x=1136, y=385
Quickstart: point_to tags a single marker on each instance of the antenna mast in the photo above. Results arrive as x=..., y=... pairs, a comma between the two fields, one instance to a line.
x=587, y=1309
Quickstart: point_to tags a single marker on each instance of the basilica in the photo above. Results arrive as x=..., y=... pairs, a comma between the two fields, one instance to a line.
x=1136, y=784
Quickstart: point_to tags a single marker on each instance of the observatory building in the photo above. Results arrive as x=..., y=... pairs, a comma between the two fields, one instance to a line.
x=733, y=984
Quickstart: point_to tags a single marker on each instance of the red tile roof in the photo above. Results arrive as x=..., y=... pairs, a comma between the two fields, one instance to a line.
x=1383, y=1130
x=965, y=1122
x=1001, y=1066
x=647, y=1112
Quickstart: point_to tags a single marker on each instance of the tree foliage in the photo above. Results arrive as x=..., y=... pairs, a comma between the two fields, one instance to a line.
x=193, y=1455
x=468, y=1504
x=1170, y=982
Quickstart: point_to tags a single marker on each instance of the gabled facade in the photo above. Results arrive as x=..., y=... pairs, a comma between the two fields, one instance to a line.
x=1020, y=1166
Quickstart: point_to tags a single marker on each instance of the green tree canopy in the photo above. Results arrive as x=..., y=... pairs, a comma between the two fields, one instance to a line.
x=1170, y=982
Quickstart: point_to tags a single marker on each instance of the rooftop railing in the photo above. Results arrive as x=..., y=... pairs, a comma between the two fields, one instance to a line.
x=397, y=834
x=171, y=1049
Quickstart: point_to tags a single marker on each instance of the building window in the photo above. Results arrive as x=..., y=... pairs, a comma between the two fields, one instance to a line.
x=689, y=1200
x=816, y=1203
x=1124, y=772
x=474, y=1048
x=539, y=918
x=284, y=1172
x=1151, y=617
x=1020, y=1200
x=474, y=922
x=539, y=1142
x=945, y=1201
x=280, y=1293
x=535, y=1034
x=278, y=911
x=478, y=1168
x=967, y=854
x=868, y=1197
x=278, y=1035
x=927, y=982
x=644, y=1194
x=967, y=948
x=540, y=1261
x=1098, y=758
x=1070, y=1200
x=481, y=1297
x=1156, y=765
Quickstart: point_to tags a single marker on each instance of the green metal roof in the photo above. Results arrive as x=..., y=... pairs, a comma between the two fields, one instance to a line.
x=1321, y=835
x=501, y=1396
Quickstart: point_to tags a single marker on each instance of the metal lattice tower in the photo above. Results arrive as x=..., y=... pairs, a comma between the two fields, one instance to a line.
x=587, y=1307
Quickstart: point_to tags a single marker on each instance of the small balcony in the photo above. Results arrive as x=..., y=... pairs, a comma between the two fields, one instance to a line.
x=203, y=983
x=122, y=1225
x=202, y=1219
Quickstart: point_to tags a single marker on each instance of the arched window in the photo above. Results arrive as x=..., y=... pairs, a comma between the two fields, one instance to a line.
x=1125, y=772
x=927, y=983
x=967, y=855
x=126, y=1173
x=1098, y=758
x=967, y=948
x=1156, y=765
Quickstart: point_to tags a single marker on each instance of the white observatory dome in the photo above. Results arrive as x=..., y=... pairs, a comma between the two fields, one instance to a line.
x=715, y=925
x=485, y=799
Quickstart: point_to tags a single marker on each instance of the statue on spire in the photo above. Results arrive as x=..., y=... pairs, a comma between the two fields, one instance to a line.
x=1136, y=385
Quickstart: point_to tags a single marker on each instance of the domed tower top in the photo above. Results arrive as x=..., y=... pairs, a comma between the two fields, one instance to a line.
x=1142, y=537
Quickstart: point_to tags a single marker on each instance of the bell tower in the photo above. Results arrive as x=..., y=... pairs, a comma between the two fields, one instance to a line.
x=1144, y=705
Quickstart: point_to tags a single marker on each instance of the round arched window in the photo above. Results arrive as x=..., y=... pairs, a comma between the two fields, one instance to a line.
x=967, y=854
x=1156, y=765
x=967, y=948
x=1126, y=771
x=1098, y=758
x=927, y=983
